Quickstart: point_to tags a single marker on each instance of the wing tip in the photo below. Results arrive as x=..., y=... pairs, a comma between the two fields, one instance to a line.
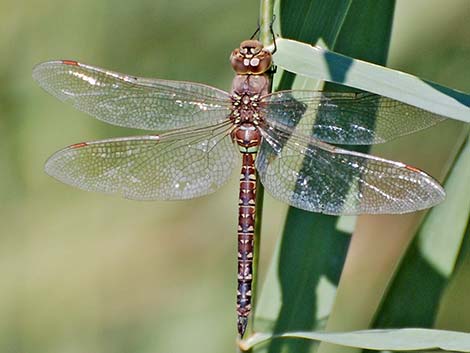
x=57, y=62
x=50, y=165
x=439, y=191
x=40, y=67
x=53, y=167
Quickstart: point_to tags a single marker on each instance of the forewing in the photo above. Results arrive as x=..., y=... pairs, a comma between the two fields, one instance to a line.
x=171, y=166
x=346, y=118
x=315, y=176
x=129, y=101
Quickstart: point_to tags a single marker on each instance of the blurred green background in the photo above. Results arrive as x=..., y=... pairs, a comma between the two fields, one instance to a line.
x=82, y=272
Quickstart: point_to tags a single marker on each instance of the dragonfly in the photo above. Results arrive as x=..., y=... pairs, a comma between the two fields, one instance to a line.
x=286, y=139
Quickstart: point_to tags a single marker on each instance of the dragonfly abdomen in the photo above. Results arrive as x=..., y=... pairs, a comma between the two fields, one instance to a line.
x=246, y=228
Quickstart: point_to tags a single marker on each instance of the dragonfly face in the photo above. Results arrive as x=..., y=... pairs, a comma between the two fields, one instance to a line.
x=251, y=58
x=284, y=137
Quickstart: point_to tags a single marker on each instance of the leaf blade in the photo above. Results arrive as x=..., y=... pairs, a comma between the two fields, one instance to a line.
x=396, y=340
x=320, y=63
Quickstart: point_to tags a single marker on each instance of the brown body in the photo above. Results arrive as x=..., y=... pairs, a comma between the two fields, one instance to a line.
x=251, y=62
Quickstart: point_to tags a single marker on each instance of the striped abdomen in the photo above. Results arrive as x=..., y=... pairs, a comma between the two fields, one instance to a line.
x=248, y=138
x=246, y=229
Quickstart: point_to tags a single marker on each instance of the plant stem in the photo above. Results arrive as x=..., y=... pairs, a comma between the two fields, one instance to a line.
x=265, y=21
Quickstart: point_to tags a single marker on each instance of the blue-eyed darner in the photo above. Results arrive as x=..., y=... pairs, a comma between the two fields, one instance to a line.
x=283, y=137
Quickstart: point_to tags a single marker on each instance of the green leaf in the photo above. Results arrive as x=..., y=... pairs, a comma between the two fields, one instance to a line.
x=329, y=17
x=320, y=63
x=441, y=235
x=454, y=308
x=393, y=340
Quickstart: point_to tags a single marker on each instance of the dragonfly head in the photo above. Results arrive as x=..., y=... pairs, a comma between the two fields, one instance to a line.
x=251, y=58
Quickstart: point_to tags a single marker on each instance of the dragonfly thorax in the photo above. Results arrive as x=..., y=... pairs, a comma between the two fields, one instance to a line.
x=245, y=108
x=247, y=93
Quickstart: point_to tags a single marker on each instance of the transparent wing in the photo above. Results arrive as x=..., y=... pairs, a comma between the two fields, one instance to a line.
x=129, y=101
x=171, y=166
x=346, y=118
x=314, y=176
